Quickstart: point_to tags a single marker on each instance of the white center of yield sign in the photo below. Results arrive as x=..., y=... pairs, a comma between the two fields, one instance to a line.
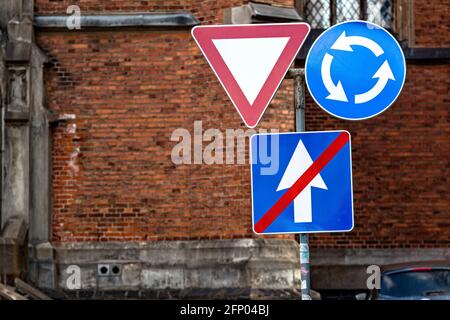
x=251, y=60
x=299, y=163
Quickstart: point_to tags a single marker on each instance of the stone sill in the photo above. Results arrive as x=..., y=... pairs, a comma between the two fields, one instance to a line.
x=114, y=21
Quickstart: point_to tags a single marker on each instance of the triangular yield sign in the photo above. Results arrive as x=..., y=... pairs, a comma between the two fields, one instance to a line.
x=251, y=61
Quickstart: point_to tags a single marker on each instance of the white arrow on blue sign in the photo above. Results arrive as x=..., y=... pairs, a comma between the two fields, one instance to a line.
x=355, y=70
x=312, y=189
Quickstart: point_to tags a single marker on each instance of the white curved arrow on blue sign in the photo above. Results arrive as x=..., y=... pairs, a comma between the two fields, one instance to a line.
x=344, y=43
x=384, y=74
x=336, y=91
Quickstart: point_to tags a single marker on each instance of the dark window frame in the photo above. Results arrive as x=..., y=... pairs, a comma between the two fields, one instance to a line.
x=333, y=11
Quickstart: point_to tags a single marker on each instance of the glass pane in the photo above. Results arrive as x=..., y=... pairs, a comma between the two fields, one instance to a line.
x=380, y=12
x=416, y=284
x=317, y=13
x=347, y=10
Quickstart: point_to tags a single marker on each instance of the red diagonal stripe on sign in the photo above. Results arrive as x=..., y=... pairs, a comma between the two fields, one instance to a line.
x=302, y=182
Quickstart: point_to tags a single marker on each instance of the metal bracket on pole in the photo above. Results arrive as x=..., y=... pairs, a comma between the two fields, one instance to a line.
x=299, y=107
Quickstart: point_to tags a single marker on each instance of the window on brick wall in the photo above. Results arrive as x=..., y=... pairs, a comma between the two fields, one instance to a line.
x=322, y=14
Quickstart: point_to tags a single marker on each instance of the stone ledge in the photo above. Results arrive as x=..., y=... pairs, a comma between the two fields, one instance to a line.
x=142, y=20
x=346, y=257
x=346, y=269
x=183, y=267
x=155, y=253
x=200, y=294
x=12, y=247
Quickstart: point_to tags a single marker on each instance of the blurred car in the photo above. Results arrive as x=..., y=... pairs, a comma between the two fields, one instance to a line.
x=413, y=281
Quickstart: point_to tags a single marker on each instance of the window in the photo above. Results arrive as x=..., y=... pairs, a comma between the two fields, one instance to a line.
x=322, y=14
x=420, y=283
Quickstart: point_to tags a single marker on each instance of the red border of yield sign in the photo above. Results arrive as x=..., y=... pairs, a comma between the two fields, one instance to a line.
x=251, y=114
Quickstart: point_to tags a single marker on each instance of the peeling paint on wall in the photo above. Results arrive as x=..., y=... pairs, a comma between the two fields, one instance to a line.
x=71, y=129
x=74, y=168
x=67, y=116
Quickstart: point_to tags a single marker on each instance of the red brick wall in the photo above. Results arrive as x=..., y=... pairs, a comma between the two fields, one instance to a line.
x=401, y=158
x=400, y=166
x=432, y=23
x=130, y=89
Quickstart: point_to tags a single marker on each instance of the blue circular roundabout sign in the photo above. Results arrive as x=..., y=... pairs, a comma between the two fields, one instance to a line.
x=355, y=70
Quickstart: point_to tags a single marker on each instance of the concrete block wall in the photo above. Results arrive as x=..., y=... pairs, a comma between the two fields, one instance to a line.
x=215, y=269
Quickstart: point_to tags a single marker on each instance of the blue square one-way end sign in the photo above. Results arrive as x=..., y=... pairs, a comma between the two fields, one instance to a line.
x=302, y=182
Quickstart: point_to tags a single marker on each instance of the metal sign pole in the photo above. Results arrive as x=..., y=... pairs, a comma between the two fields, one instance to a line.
x=299, y=106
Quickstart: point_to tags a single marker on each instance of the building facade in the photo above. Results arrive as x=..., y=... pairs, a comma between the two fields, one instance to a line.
x=89, y=125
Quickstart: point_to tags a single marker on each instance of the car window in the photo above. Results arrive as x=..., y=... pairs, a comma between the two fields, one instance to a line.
x=416, y=283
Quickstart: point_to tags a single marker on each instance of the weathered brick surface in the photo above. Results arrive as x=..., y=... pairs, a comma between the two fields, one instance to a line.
x=113, y=178
x=432, y=23
x=400, y=166
x=113, y=175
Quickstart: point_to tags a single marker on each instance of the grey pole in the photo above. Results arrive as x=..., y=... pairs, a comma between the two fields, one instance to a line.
x=299, y=106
